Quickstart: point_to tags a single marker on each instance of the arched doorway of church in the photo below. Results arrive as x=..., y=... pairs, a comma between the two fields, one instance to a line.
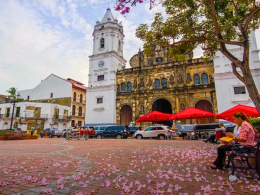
x=163, y=105
x=126, y=115
x=204, y=105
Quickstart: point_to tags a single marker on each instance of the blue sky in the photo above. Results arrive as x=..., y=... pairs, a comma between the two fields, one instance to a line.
x=41, y=37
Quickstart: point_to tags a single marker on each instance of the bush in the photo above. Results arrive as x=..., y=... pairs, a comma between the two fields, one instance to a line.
x=2, y=133
x=255, y=121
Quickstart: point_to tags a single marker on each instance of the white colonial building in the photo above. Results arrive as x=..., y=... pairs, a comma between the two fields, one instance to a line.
x=40, y=115
x=229, y=89
x=51, y=87
x=107, y=58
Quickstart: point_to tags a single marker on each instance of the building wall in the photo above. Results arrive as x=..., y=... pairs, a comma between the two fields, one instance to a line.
x=45, y=115
x=225, y=80
x=104, y=113
x=76, y=118
x=52, y=84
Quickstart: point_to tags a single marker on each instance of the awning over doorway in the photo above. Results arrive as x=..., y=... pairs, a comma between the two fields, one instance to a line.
x=248, y=110
x=154, y=116
x=192, y=113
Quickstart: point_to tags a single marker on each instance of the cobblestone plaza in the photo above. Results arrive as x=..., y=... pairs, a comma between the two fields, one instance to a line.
x=109, y=166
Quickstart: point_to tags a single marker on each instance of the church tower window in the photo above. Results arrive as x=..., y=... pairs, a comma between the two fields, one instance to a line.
x=119, y=45
x=204, y=78
x=102, y=43
x=157, y=84
x=164, y=83
x=129, y=86
x=123, y=87
x=196, y=79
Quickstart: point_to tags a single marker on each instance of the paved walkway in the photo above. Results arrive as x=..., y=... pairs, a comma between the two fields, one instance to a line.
x=110, y=166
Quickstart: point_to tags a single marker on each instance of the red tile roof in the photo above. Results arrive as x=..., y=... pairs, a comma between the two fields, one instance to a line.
x=76, y=84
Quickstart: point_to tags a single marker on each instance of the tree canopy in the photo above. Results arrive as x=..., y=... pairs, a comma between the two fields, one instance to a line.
x=12, y=91
x=212, y=24
x=123, y=5
x=209, y=23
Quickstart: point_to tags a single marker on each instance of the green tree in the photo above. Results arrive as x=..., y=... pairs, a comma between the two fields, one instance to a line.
x=211, y=24
x=12, y=91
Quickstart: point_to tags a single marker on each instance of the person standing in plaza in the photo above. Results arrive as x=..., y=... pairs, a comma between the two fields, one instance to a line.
x=32, y=130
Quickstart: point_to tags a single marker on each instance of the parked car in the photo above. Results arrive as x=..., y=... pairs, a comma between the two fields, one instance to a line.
x=117, y=131
x=99, y=131
x=51, y=132
x=133, y=130
x=160, y=132
x=64, y=132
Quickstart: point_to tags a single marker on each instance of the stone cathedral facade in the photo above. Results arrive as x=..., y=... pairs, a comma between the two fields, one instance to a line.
x=159, y=83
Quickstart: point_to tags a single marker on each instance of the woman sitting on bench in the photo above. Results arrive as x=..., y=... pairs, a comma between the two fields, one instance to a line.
x=246, y=137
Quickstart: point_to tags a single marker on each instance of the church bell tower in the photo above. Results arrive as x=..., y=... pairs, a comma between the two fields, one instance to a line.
x=106, y=59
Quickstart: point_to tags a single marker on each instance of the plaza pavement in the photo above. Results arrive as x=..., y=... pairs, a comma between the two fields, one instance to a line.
x=111, y=166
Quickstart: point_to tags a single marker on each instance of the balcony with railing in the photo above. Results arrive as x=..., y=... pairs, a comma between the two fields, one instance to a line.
x=78, y=114
x=78, y=100
x=36, y=116
x=9, y=115
x=61, y=117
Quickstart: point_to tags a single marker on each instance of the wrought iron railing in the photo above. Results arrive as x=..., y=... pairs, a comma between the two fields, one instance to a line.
x=36, y=116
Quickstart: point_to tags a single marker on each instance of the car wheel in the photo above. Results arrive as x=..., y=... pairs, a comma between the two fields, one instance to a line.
x=139, y=137
x=118, y=136
x=99, y=136
x=50, y=136
x=41, y=136
x=161, y=137
x=58, y=136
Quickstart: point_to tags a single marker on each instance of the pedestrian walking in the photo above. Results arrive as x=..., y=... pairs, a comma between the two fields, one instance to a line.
x=32, y=130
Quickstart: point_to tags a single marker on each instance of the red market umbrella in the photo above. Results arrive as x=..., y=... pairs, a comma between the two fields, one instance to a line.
x=192, y=113
x=154, y=116
x=248, y=110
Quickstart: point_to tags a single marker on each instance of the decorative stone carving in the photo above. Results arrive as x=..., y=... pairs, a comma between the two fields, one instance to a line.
x=180, y=80
x=149, y=83
x=142, y=82
x=188, y=78
x=135, y=83
x=171, y=79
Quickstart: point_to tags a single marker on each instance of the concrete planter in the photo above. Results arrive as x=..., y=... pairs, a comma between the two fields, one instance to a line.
x=19, y=138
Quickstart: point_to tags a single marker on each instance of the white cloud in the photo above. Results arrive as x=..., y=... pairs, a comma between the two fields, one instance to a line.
x=31, y=48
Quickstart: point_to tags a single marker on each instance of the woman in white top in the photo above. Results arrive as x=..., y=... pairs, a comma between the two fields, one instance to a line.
x=236, y=130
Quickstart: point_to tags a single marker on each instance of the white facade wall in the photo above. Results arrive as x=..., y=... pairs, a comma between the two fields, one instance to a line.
x=52, y=84
x=46, y=109
x=225, y=80
x=112, y=56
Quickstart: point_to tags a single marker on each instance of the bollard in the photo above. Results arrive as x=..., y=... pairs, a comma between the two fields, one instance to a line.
x=45, y=135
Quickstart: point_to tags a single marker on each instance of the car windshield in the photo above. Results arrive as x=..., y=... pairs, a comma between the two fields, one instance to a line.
x=148, y=128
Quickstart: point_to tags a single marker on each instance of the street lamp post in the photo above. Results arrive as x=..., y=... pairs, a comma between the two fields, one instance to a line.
x=13, y=100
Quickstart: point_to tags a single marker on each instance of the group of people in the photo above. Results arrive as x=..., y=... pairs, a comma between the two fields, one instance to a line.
x=243, y=134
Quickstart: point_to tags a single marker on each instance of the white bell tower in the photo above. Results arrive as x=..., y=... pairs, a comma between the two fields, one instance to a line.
x=107, y=58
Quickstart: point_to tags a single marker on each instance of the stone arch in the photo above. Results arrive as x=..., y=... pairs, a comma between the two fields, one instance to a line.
x=126, y=114
x=163, y=105
x=207, y=106
x=161, y=97
x=15, y=125
x=55, y=125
